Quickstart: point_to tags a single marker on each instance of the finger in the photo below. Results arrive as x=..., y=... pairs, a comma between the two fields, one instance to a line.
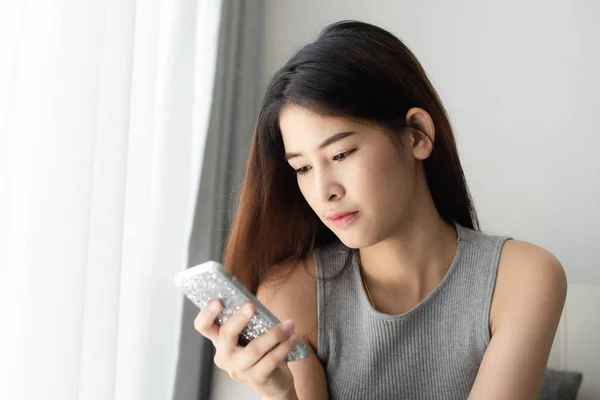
x=205, y=321
x=230, y=331
x=260, y=346
x=264, y=368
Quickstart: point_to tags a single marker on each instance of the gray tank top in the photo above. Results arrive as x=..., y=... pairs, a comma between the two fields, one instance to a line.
x=432, y=351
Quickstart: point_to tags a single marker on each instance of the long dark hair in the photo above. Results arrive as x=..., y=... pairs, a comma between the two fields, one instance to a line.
x=353, y=69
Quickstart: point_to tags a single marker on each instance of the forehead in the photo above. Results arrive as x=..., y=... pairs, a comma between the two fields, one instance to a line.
x=299, y=125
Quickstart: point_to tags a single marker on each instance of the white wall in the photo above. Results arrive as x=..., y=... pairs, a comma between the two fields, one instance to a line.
x=520, y=81
x=576, y=346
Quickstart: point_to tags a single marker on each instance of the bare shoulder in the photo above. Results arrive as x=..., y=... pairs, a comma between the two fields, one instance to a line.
x=527, y=304
x=289, y=291
x=528, y=276
x=282, y=289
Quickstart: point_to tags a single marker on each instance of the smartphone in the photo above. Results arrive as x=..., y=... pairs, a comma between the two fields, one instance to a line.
x=210, y=281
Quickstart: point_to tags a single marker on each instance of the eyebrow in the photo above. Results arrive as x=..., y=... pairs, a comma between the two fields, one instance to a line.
x=330, y=140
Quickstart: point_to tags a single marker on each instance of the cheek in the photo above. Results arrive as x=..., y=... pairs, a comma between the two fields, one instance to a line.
x=307, y=189
x=386, y=181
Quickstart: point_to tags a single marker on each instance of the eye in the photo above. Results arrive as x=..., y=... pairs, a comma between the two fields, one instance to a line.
x=337, y=157
x=301, y=171
x=343, y=156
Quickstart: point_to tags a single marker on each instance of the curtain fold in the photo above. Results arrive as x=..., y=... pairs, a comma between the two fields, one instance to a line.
x=104, y=109
x=232, y=118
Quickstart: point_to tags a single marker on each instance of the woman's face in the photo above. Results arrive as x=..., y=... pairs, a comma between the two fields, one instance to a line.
x=344, y=166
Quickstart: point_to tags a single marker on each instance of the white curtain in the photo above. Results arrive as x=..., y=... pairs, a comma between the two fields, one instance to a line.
x=104, y=109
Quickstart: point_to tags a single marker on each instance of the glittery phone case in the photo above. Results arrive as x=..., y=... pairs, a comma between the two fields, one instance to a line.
x=209, y=281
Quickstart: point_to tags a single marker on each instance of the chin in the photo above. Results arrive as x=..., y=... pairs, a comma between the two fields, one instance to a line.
x=355, y=240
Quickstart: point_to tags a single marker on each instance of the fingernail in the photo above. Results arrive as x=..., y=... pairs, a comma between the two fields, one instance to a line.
x=248, y=311
x=294, y=337
x=287, y=326
x=214, y=305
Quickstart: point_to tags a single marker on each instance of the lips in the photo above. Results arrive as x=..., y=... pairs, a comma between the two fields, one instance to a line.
x=340, y=219
x=339, y=215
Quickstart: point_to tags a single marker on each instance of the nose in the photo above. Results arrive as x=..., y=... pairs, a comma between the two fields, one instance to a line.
x=327, y=187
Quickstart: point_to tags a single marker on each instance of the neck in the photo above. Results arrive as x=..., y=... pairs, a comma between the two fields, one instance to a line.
x=412, y=261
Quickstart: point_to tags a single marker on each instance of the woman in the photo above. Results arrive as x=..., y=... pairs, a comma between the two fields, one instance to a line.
x=355, y=223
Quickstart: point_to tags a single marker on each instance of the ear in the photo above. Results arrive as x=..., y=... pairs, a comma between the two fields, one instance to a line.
x=421, y=142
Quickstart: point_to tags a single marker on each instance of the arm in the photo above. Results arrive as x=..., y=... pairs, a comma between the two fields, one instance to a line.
x=528, y=301
x=280, y=292
x=288, y=396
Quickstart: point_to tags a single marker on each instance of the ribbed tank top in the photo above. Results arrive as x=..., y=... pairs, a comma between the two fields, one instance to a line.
x=432, y=351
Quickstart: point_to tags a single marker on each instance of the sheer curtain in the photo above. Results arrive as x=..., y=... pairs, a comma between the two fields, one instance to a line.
x=104, y=109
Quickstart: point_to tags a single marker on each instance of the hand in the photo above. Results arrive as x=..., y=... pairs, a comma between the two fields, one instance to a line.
x=260, y=363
